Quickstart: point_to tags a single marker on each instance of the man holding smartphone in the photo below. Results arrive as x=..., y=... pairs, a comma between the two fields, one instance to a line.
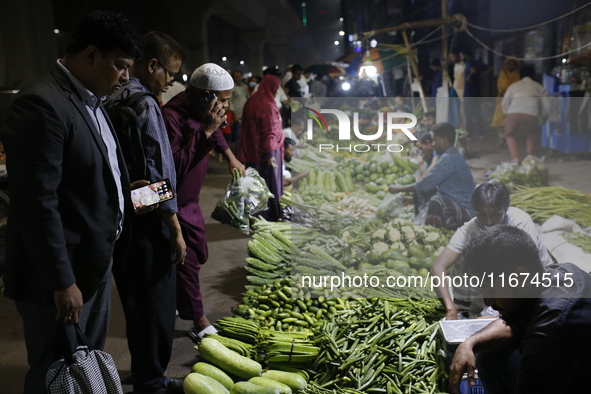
x=69, y=192
x=193, y=118
x=147, y=282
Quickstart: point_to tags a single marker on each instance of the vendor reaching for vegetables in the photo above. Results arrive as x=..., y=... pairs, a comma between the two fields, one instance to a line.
x=445, y=192
x=289, y=146
x=491, y=202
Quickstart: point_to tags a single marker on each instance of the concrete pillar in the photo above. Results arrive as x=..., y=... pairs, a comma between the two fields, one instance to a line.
x=255, y=40
x=192, y=32
x=27, y=42
x=280, y=51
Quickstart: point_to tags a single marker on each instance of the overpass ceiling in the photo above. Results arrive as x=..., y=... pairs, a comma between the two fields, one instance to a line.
x=277, y=17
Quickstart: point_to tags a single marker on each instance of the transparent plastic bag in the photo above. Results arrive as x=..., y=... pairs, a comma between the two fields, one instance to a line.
x=421, y=217
x=390, y=207
x=256, y=190
x=244, y=196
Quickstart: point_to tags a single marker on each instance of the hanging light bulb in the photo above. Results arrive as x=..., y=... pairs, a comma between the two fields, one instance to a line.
x=367, y=68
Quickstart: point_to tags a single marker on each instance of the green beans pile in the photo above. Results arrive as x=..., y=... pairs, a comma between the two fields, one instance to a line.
x=377, y=346
x=581, y=240
x=287, y=349
x=240, y=329
x=543, y=202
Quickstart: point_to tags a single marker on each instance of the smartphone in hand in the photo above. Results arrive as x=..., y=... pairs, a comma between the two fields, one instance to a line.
x=208, y=99
x=152, y=194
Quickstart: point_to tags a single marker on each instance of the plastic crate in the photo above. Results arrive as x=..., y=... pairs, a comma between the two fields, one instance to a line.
x=465, y=387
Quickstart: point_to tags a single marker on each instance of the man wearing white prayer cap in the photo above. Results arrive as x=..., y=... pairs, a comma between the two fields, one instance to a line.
x=192, y=119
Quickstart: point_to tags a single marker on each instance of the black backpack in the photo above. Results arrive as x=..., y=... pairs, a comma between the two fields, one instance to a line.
x=124, y=118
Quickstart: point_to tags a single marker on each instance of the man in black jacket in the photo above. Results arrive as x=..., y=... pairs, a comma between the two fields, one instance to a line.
x=69, y=191
x=541, y=345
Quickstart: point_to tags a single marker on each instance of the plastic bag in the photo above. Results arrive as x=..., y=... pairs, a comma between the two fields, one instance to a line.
x=421, y=217
x=390, y=207
x=244, y=196
x=257, y=192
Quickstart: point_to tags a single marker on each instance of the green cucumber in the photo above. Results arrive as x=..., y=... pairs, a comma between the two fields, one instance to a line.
x=196, y=383
x=228, y=360
x=284, y=389
x=213, y=372
x=293, y=380
x=250, y=388
x=415, y=251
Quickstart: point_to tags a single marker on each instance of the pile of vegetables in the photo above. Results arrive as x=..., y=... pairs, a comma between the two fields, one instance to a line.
x=532, y=173
x=378, y=344
x=401, y=244
x=354, y=340
x=287, y=336
x=343, y=344
x=225, y=371
x=381, y=171
x=543, y=202
x=339, y=181
x=581, y=240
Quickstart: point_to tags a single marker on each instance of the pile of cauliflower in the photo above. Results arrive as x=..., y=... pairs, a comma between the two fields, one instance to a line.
x=399, y=234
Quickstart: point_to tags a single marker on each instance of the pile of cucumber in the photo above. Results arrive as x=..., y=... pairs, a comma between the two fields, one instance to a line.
x=227, y=372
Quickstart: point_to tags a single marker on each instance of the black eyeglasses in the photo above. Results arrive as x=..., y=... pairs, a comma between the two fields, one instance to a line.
x=170, y=75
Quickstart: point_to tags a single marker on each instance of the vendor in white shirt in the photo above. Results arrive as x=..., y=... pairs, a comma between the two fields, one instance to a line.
x=524, y=103
x=491, y=202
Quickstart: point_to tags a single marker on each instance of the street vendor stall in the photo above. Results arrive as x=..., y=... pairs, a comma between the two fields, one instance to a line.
x=568, y=129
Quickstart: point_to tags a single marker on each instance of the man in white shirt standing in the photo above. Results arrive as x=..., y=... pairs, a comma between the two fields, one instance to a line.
x=523, y=103
x=239, y=96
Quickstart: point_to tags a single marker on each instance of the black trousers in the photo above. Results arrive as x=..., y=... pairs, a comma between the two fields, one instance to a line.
x=147, y=288
x=42, y=332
